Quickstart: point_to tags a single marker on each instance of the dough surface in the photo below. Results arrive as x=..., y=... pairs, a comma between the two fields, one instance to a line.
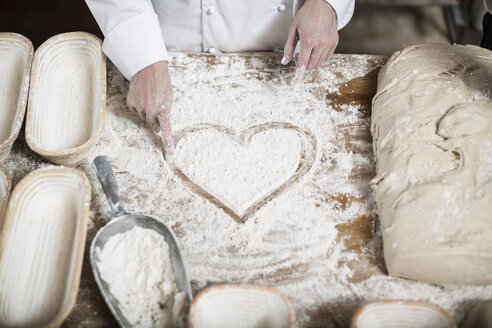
x=432, y=131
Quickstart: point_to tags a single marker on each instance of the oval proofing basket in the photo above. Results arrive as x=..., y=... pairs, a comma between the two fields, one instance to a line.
x=67, y=98
x=16, y=52
x=42, y=247
x=224, y=306
x=404, y=314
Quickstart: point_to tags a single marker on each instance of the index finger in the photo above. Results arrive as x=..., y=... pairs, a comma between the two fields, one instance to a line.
x=166, y=131
x=290, y=45
x=302, y=62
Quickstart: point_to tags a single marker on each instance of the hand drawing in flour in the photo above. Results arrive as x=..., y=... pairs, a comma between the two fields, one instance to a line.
x=151, y=95
x=315, y=27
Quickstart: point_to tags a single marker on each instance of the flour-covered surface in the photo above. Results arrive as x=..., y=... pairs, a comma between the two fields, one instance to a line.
x=316, y=240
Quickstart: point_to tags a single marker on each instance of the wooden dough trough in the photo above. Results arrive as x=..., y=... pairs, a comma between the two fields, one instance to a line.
x=42, y=246
x=67, y=98
x=16, y=52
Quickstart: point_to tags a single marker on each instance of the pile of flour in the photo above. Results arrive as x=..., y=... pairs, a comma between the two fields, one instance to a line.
x=137, y=268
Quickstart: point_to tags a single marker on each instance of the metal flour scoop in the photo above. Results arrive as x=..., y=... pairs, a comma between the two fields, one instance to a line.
x=122, y=222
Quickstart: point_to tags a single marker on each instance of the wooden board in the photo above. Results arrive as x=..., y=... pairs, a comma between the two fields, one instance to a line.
x=90, y=309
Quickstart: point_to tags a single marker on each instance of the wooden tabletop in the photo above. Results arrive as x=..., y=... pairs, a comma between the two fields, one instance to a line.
x=90, y=309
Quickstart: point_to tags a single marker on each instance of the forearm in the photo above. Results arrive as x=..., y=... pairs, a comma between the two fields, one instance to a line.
x=133, y=38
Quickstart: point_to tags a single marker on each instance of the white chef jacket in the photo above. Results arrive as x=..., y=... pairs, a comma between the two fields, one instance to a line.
x=138, y=33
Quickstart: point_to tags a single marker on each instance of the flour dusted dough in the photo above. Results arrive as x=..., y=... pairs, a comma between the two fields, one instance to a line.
x=432, y=130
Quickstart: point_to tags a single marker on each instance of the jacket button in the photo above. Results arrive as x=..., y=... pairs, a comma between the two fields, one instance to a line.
x=281, y=7
x=211, y=10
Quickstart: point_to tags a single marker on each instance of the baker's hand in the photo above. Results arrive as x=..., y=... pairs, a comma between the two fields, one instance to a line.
x=151, y=95
x=315, y=25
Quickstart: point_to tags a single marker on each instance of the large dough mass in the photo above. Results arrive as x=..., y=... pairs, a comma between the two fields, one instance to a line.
x=432, y=131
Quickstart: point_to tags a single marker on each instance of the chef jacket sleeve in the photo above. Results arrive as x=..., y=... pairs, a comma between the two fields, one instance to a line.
x=344, y=10
x=133, y=38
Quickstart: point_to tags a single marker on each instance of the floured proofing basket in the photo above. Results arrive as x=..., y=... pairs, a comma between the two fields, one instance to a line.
x=241, y=306
x=402, y=314
x=42, y=246
x=67, y=98
x=16, y=52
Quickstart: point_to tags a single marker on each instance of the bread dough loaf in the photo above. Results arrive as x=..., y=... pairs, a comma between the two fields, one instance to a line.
x=432, y=131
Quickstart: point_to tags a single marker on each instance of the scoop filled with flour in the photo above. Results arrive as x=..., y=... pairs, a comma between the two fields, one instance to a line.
x=137, y=268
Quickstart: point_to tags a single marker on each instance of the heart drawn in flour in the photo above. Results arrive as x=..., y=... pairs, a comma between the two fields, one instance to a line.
x=240, y=173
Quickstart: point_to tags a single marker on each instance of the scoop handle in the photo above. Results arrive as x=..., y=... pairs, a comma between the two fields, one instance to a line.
x=108, y=181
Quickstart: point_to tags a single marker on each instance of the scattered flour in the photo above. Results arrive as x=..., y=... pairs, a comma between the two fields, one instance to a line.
x=307, y=241
x=90, y=219
x=137, y=268
x=240, y=172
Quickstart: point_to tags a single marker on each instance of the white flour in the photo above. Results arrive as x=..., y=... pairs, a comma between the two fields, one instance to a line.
x=295, y=242
x=137, y=268
x=235, y=173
